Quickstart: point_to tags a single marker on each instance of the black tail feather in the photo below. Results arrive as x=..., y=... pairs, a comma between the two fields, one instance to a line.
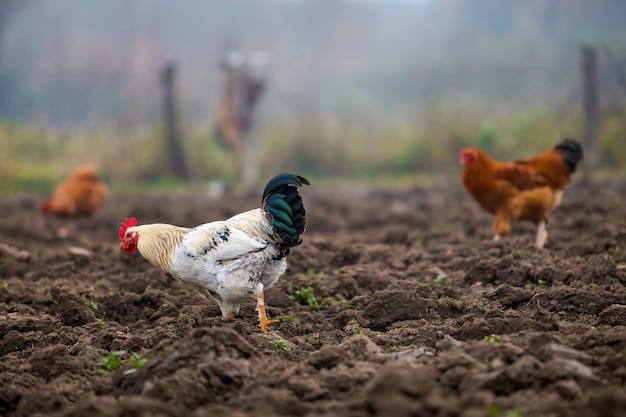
x=283, y=203
x=572, y=153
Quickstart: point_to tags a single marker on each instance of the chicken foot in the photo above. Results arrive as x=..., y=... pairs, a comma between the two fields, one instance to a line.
x=260, y=307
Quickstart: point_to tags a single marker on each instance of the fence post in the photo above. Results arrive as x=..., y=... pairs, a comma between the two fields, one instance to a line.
x=170, y=126
x=244, y=83
x=590, y=106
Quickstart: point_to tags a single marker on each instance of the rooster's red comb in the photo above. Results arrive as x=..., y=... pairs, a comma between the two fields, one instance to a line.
x=130, y=222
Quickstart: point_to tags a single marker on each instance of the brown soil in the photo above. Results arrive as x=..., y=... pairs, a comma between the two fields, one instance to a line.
x=388, y=338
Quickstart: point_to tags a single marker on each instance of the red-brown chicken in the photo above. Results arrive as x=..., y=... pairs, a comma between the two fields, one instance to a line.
x=81, y=193
x=520, y=190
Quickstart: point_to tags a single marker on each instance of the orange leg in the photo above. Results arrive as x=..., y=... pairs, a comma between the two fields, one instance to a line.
x=260, y=307
x=230, y=315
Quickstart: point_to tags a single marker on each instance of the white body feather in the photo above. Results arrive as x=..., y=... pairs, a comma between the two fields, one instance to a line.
x=233, y=260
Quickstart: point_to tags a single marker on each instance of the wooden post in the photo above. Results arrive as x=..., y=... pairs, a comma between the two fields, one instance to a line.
x=619, y=73
x=170, y=124
x=243, y=86
x=590, y=105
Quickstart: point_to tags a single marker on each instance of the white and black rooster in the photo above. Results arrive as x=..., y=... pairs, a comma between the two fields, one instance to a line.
x=233, y=260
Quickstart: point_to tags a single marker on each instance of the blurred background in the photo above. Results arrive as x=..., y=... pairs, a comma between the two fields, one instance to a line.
x=161, y=94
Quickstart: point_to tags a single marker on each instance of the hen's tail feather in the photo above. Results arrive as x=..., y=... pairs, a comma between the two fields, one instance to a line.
x=572, y=153
x=283, y=203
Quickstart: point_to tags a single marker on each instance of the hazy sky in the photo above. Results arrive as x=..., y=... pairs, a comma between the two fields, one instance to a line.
x=98, y=61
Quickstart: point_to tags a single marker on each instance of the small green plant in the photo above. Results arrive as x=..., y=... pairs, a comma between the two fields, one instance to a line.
x=497, y=411
x=493, y=411
x=441, y=278
x=474, y=303
x=288, y=319
x=357, y=330
x=440, y=299
x=541, y=282
x=421, y=237
x=170, y=325
x=332, y=301
x=306, y=296
x=4, y=284
x=42, y=282
x=101, y=319
x=492, y=338
x=137, y=361
x=281, y=344
x=92, y=306
x=112, y=362
x=310, y=272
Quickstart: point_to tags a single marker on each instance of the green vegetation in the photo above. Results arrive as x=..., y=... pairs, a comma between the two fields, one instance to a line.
x=101, y=319
x=492, y=338
x=311, y=273
x=441, y=278
x=34, y=160
x=137, y=361
x=281, y=344
x=474, y=303
x=332, y=301
x=94, y=307
x=42, y=282
x=114, y=362
x=497, y=411
x=421, y=237
x=306, y=297
x=288, y=319
x=539, y=282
